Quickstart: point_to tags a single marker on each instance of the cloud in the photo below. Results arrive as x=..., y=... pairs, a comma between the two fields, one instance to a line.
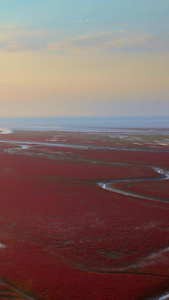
x=127, y=41
x=84, y=21
x=90, y=20
x=14, y=38
x=112, y=41
x=77, y=22
x=81, y=43
x=14, y=47
x=8, y=27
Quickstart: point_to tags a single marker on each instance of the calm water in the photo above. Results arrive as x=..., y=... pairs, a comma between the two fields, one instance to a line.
x=93, y=124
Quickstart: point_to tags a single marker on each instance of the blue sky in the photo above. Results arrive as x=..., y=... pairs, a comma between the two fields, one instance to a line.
x=146, y=15
x=50, y=46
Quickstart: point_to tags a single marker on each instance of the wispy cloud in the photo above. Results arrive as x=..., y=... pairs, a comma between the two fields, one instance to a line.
x=112, y=41
x=77, y=22
x=84, y=21
x=90, y=20
x=15, y=38
x=80, y=43
x=8, y=27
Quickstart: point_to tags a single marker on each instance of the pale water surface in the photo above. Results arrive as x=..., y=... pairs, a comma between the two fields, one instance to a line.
x=89, y=124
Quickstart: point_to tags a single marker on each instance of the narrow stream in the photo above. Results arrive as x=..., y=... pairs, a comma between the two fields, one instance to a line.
x=162, y=175
x=81, y=146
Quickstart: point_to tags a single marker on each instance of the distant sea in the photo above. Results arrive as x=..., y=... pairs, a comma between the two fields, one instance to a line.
x=84, y=124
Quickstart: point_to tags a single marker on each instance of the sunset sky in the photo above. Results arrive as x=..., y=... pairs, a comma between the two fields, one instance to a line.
x=84, y=57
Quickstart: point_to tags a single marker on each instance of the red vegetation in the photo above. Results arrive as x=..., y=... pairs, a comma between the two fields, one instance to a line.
x=64, y=237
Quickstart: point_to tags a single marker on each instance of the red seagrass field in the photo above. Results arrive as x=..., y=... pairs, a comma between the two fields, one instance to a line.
x=83, y=216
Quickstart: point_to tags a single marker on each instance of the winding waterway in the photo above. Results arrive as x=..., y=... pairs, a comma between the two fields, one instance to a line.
x=81, y=146
x=162, y=175
x=107, y=185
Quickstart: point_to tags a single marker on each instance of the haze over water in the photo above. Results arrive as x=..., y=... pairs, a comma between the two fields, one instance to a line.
x=95, y=124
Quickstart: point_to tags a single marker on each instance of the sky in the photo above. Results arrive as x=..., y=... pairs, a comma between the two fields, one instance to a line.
x=84, y=57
